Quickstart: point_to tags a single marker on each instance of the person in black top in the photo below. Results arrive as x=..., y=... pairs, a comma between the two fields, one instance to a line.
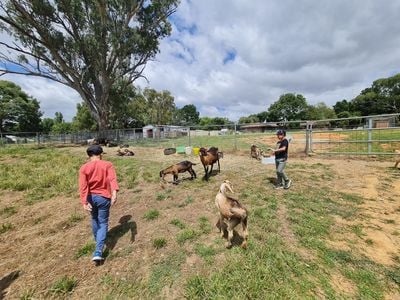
x=281, y=156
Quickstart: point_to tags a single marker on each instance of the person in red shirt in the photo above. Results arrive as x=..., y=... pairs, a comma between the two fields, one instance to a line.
x=98, y=189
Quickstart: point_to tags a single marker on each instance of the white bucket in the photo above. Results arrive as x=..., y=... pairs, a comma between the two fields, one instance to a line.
x=188, y=150
x=268, y=160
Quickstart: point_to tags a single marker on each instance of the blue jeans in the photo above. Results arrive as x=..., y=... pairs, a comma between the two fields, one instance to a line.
x=100, y=214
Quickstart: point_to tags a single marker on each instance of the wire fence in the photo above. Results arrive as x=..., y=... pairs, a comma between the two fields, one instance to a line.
x=371, y=135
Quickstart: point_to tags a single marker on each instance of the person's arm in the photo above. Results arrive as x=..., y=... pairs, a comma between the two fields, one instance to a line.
x=112, y=179
x=84, y=190
x=282, y=148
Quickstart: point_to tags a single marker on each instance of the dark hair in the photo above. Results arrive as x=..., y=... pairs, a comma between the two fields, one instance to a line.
x=94, y=150
x=281, y=132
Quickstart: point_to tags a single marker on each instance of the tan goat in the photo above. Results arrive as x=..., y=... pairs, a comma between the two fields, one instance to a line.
x=397, y=161
x=231, y=213
x=209, y=158
x=183, y=166
x=255, y=152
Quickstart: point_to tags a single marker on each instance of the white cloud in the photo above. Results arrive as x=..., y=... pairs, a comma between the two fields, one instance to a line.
x=325, y=50
x=53, y=97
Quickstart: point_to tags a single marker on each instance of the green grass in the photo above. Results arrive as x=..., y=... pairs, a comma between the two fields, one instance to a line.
x=151, y=214
x=28, y=295
x=161, y=196
x=165, y=273
x=288, y=257
x=204, y=225
x=75, y=218
x=178, y=223
x=86, y=250
x=63, y=286
x=29, y=173
x=8, y=211
x=6, y=227
x=206, y=252
x=159, y=243
x=186, y=235
x=188, y=200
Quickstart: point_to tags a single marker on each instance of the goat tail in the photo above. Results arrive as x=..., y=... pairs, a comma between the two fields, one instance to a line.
x=239, y=212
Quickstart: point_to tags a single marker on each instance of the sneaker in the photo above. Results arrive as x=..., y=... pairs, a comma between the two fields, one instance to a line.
x=97, y=257
x=278, y=186
x=287, y=184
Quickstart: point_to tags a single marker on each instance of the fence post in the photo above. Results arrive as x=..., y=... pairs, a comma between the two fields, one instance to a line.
x=308, y=137
x=189, y=137
x=369, y=135
x=2, y=143
x=235, y=138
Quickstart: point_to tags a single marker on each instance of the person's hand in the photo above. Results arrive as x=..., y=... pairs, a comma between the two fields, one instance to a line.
x=87, y=207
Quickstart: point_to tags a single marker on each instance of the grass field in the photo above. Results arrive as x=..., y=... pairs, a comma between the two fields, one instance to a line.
x=333, y=235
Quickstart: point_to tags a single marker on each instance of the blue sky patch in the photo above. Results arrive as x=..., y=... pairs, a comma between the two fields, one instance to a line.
x=230, y=56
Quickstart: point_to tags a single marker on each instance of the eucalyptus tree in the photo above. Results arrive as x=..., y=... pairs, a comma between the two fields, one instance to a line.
x=88, y=45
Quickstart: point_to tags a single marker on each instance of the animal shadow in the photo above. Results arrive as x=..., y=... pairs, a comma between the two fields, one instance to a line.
x=115, y=233
x=237, y=240
x=272, y=180
x=213, y=173
x=183, y=179
x=6, y=281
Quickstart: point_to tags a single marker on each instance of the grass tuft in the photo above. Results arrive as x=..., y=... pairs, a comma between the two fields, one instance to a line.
x=6, y=227
x=178, y=223
x=159, y=243
x=186, y=235
x=63, y=286
x=151, y=214
x=86, y=250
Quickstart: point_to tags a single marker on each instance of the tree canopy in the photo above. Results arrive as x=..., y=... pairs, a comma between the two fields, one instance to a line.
x=88, y=45
x=18, y=111
x=289, y=107
x=187, y=115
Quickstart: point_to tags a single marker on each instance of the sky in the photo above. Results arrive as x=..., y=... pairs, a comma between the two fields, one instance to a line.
x=233, y=58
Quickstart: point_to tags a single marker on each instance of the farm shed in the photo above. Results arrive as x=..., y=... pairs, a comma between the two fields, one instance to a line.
x=384, y=122
x=258, y=127
x=163, y=131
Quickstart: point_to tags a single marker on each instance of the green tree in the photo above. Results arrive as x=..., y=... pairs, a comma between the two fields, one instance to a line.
x=138, y=112
x=343, y=106
x=46, y=125
x=383, y=97
x=85, y=44
x=187, y=115
x=83, y=119
x=58, y=117
x=289, y=107
x=18, y=111
x=60, y=126
x=320, y=111
x=209, y=123
x=160, y=105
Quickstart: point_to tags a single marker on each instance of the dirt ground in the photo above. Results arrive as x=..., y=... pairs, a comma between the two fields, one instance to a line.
x=43, y=245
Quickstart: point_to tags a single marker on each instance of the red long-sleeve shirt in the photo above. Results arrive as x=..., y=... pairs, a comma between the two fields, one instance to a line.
x=97, y=177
